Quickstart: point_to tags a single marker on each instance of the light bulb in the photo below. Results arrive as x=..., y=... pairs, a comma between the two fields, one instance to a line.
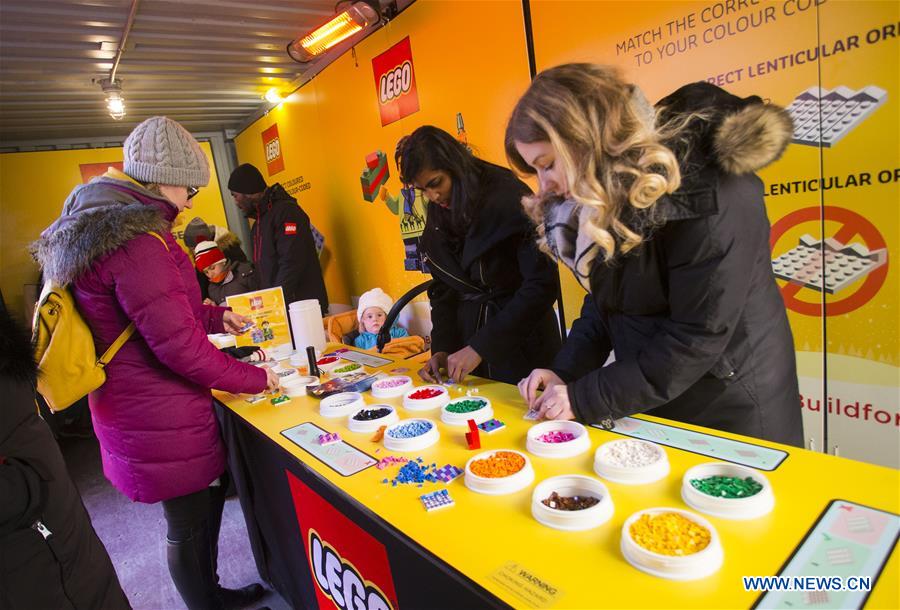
x=273, y=97
x=116, y=107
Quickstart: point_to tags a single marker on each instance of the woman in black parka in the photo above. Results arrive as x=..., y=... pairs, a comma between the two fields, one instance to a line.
x=50, y=556
x=659, y=215
x=492, y=301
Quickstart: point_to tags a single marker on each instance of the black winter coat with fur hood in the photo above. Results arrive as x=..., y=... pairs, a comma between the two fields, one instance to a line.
x=70, y=568
x=694, y=314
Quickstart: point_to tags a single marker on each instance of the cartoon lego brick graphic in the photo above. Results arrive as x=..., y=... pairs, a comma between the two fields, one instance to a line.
x=836, y=264
x=825, y=116
x=373, y=180
x=375, y=175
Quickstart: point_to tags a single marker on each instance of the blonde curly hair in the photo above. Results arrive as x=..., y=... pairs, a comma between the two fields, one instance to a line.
x=605, y=138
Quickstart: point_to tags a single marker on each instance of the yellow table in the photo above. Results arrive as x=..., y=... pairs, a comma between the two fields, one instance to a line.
x=483, y=536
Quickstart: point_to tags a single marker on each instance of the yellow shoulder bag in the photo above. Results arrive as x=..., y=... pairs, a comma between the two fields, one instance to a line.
x=68, y=367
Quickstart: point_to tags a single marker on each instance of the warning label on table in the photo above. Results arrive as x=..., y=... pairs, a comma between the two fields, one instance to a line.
x=526, y=585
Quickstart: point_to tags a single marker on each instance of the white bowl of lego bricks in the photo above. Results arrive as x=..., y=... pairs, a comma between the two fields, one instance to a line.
x=370, y=418
x=571, y=502
x=631, y=461
x=346, y=368
x=498, y=472
x=728, y=491
x=671, y=543
x=459, y=411
x=296, y=386
x=411, y=435
x=326, y=364
x=341, y=405
x=426, y=398
x=557, y=439
x=392, y=387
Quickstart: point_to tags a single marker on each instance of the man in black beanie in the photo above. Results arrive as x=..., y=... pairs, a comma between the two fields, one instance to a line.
x=284, y=251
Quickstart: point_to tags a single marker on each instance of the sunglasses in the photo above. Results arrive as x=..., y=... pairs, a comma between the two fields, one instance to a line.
x=192, y=191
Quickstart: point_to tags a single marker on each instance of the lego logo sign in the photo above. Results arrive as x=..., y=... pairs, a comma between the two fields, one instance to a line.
x=340, y=580
x=395, y=83
x=272, y=149
x=350, y=568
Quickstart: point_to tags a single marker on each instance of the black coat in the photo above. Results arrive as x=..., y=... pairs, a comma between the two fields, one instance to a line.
x=694, y=315
x=494, y=290
x=245, y=279
x=70, y=568
x=284, y=251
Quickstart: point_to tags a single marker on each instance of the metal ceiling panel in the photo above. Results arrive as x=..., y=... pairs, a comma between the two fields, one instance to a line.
x=205, y=63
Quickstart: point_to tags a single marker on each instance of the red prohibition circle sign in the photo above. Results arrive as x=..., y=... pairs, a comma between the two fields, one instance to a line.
x=852, y=224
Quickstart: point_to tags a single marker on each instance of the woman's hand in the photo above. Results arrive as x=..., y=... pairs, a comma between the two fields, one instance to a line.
x=234, y=322
x=554, y=403
x=539, y=379
x=462, y=362
x=272, y=381
x=209, y=301
x=431, y=372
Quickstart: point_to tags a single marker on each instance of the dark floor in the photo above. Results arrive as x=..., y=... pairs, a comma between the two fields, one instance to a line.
x=134, y=535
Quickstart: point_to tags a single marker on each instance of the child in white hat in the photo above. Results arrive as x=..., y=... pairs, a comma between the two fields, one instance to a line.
x=371, y=313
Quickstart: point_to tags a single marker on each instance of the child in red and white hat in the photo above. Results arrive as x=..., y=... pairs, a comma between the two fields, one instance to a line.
x=226, y=278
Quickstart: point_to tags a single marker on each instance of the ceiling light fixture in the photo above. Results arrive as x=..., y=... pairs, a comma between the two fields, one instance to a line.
x=115, y=103
x=273, y=97
x=342, y=26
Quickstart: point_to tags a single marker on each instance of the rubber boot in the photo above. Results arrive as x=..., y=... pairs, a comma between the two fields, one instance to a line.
x=191, y=568
x=232, y=599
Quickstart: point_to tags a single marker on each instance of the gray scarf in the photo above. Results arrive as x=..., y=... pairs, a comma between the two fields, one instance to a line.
x=564, y=224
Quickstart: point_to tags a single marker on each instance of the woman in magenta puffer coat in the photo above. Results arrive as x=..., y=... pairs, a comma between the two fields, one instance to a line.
x=154, y=416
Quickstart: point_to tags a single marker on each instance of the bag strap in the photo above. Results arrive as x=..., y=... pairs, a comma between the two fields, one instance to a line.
x=111, y=351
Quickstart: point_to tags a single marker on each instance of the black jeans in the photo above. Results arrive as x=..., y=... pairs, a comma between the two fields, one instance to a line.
x=192, y=533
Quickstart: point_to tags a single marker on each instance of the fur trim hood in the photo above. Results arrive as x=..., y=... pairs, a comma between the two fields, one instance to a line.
x=98, y=220
x=742, y=135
